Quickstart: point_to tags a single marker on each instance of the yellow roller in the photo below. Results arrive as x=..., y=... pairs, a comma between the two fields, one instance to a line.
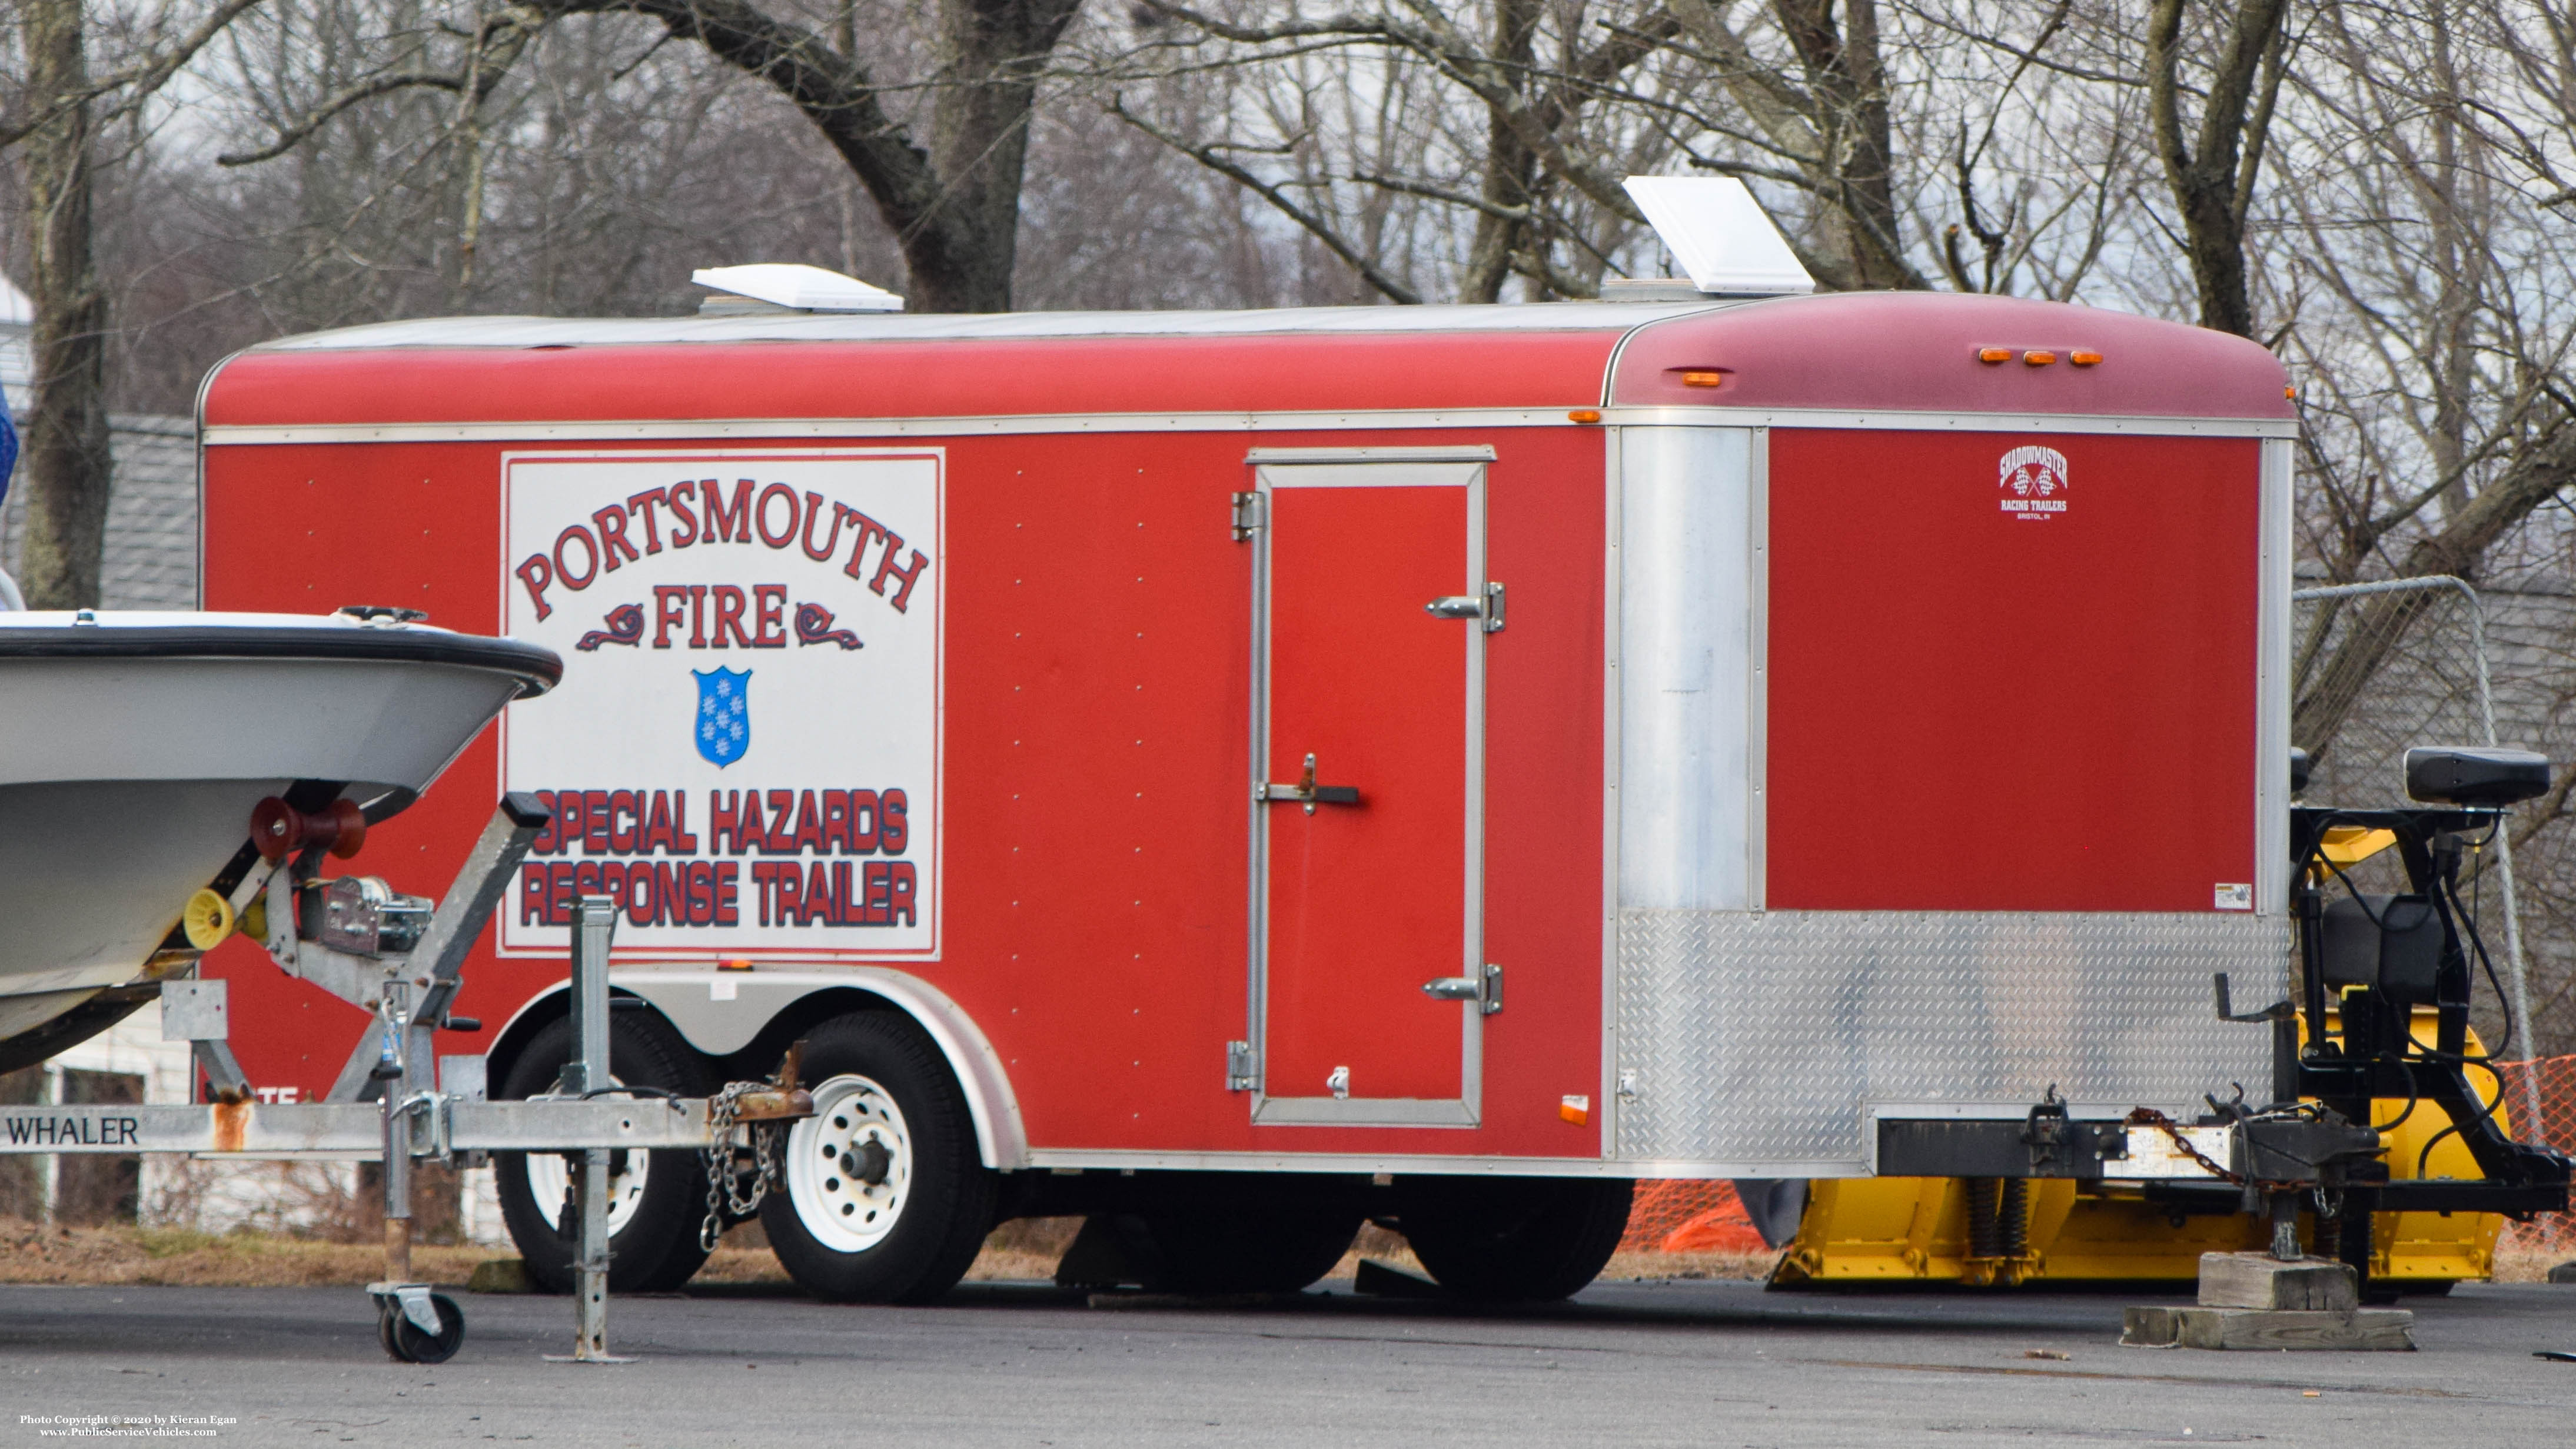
x=207, y=920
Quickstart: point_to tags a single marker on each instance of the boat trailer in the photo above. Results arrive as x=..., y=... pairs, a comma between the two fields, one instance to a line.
x=399, y=958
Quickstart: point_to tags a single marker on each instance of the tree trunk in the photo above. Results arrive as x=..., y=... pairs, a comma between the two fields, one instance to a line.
x=1857, y=150
x=953, y=205
x=979, y=146
x=64, y=465
x=1510, y=165
x=2212, y=175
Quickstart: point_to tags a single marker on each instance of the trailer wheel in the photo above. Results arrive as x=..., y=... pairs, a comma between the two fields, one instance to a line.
x=656, y=1200
x=1234, y=1252
x=1514, y=1238
x=886, y=1200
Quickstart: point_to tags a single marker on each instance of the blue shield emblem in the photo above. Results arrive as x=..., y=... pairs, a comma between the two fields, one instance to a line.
x=724, y=714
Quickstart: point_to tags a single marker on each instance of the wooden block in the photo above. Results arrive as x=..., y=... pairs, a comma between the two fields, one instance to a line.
x=2150, y=1328
x=2361, y=1330
x=2259, y=1280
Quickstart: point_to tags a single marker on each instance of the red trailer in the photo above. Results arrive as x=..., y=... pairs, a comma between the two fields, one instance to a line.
x=1241, y=772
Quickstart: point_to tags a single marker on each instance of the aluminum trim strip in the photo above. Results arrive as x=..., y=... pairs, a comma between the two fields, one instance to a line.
x=2272, y=688
x=1614, y=504
x=704, y=429
x=1437, y=453
x=718, y=429
x=1900, y=420
x=1757, y=683
x=1372, y=473
x=1364, y=1111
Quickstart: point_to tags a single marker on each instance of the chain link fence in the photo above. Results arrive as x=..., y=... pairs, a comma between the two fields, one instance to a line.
x=2378, y=669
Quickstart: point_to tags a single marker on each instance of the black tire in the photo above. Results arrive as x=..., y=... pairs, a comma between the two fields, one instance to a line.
x=404, y=1341
x=1219, y=1251
x=656, y=1249
x=903, y=1220
x=1514, y=1239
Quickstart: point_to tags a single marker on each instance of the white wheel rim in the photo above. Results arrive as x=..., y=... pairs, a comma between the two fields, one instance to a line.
x=849, y=1166
x=549, y=1178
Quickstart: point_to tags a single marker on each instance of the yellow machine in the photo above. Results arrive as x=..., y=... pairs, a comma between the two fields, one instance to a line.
x=1985, y=1231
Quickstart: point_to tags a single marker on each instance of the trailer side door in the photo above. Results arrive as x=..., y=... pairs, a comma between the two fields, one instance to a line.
x=1370, y=617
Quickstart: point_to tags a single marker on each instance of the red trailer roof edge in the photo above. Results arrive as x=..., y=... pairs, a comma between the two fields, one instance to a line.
x=1880, y=353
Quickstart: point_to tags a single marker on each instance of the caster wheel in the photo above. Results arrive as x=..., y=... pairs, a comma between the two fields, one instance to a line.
x=404, y=1341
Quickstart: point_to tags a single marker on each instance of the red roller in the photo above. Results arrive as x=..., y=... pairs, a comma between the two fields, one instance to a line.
x=280, y=830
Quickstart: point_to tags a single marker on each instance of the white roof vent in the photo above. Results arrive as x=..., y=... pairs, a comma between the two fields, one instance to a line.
x=1719, y=234
x=798, y=287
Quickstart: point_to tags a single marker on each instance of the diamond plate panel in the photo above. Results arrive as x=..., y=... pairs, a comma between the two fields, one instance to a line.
x=1760, y=1037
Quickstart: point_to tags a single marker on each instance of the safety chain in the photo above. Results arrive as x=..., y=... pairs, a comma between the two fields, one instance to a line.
x=2150, y=1117
x=722, y=1194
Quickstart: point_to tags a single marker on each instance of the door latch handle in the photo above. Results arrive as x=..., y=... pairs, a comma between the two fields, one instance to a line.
x=1487, y=606
x=1308, y=793
x=1485, y=988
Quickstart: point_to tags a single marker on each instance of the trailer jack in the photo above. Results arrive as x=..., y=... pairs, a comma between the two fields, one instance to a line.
x=398, y=958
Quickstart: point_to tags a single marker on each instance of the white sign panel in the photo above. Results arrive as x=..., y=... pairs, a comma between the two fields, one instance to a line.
x=744, y=752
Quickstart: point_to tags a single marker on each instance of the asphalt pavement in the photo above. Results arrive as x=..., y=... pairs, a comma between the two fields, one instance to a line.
x=1683, y=1363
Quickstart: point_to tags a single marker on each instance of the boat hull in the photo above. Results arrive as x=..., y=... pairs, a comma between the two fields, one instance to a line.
x=132, y=754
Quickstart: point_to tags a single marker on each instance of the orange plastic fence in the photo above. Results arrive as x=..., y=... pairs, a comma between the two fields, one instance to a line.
x=1681, y=1216
x=1677, y=1215
x=2555, y=1077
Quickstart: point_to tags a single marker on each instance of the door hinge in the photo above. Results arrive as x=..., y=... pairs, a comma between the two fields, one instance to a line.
x=1487, y=606
x=1485, y=988
x=1247, y=515
x=1242, y=1069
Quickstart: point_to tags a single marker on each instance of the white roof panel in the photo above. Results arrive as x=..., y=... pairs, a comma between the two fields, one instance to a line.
x=1719, y=234
x=794, y=284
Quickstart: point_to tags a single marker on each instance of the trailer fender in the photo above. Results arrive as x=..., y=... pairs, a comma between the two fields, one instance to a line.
x=721, y=1012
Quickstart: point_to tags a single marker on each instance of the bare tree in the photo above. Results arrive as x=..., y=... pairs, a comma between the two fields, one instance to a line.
x=2438, y=418
x=1825, y=119
x=66, y=428
x=52, y=123
x=2212, y=172
x=947, y=184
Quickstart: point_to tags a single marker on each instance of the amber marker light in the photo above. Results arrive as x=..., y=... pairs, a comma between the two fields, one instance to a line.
x=2037, y=358
x=736, y=964
x=2084, y=359
x=1994, y=354
x=1583, y=415
x=1701, y=377
x=1577, y=1110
